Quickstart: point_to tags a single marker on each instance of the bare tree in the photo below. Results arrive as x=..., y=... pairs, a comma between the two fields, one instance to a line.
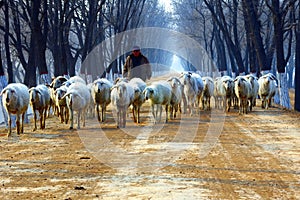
x=280, y=11
x=297, y=63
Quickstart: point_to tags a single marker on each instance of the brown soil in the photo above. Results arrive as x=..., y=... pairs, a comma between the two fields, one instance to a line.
x=257, y=156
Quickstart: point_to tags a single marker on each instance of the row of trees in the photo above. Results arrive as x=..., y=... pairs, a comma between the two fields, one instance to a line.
x=53, y=37
x=245, y=36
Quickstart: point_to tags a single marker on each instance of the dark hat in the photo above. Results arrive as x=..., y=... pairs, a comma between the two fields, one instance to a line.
x=136, y=48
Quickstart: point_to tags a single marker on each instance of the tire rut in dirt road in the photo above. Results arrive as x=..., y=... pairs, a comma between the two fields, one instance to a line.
x=239, y=167
x=251, y=159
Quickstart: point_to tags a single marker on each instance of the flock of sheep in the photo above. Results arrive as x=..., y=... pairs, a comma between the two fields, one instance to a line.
x=186, y=93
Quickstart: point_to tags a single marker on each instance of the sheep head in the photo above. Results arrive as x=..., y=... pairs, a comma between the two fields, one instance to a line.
x=57, y=82
x=34, y=95
x=148, y=93
x=8, y=95
x=73, y=98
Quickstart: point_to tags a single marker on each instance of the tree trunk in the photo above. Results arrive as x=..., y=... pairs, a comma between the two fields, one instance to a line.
x=1, y=65
x=30, y=73
x=250, y=13
x=6, y=42
x=280, y=59
x=284, y=91
x=297, y=65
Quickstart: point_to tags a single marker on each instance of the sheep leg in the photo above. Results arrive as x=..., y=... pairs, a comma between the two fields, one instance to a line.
x=240, y=106
x=177, y=107
x=45, y=115
x=228, y=104
x=251, y=104
x=153, y=113
x=138, y=114
x=71, y=118
x=269, y=102
x=18, y=124
x=98, y=113
x=78, y=119
x=266, y=103
x=160, y=111
x=134, y=113
x=61, y=113
x=41, y=118
x=124, y=117
x=83, y=117
x=102, y=113
x=171, y=112
x=22, y=124
x=9, y=125
x=66, y=113
x=34, y=115
x=118, y=117
x=263, y=102
x=184, y=103
x=166, y=113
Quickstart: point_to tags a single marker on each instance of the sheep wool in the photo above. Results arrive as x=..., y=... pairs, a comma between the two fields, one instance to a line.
x=15, y=99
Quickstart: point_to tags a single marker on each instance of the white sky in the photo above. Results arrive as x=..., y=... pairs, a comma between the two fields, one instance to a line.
x=167, y=4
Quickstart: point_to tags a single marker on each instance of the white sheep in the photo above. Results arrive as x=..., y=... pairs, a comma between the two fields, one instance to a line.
x=56, y=83
x=158, y=93
x=139, y=85
x=177, y=91
x=190, y=90
x=122, y=95
x=267, y=89
x=200, y=86
x=207, y=93
x=78, y=98
x=224, y=90
x=74, y=79
x=217, y=95
x=39, y=102
x=254, y=89
x=15, y=99
x=101, y=96
x=61, y=104
x=242, y=89
x=91, y=107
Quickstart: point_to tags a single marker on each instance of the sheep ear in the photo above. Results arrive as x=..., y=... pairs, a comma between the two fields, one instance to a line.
x=66, y=95
x=136, y=90
x=62, y=79
x=113, y=87
x=273, y=77
x=3, y=91
x=116, y=80
x=210, y=80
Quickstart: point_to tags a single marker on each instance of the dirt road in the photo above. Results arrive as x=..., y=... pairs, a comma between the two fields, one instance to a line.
x=256, y=156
